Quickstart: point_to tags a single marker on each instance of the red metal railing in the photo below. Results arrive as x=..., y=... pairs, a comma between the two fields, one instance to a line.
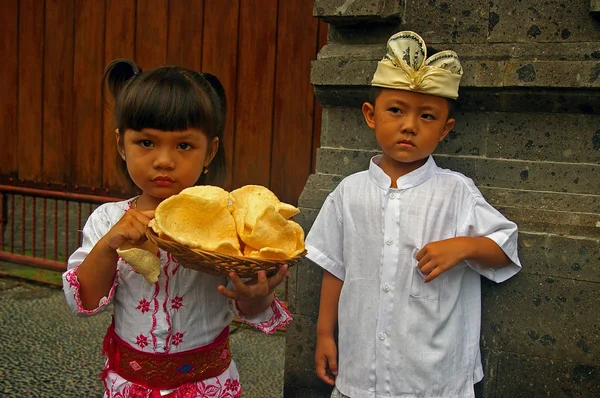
x=24, y=217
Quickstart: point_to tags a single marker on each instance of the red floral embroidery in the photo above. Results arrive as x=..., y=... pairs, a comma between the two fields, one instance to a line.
x=144, y=305
x=177, y=339
x=176, y=302
x=134, y=391
x=187, y=391
x=71, y=277
x=141, y=340
x=232, y=384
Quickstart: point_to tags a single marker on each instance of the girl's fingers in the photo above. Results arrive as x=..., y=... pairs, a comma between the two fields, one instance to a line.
x=227, y=292
x=149, y=214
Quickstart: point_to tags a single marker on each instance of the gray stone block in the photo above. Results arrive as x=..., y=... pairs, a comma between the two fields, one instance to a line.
x=346, y=128
x=547, y=137
x=574, y=258
x=583, y=51
x=343, y=162
x=448, y=21
x=338, y=11
x=555, y=256
x=300, y=355
x=307, y=286
x=533, y=253
x=547, y=21
x=323, y=181
x=520, y=376
x=313, y=198
x=551, y=221
x=514, y=174
x=468, y=137
x=480, y=73
x=542, y=316
x=559, y=201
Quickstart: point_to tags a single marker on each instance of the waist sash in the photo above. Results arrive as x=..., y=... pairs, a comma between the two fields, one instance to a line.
x=165, y=371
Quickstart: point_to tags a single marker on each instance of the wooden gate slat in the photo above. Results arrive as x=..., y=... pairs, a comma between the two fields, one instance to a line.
x=58, y=91
x=219, y=57
x=119, y=42
x=31, y=63
x=184, y=47
x=87, y=105
x=151, y=33
x=254, y=102
x=297, y=37
x=8, y=85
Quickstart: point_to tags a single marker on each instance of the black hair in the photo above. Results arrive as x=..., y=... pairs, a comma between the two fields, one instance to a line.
x=169, y=98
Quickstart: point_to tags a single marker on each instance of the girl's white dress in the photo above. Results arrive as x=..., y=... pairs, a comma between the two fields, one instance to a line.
x=181, y=312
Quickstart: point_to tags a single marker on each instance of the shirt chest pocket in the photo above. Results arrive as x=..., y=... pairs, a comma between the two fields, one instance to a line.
x=436, y=290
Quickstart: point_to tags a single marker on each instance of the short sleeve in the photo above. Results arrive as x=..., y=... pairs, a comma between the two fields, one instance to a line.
x=97, y=225
x=483, y=220
x=324, y=242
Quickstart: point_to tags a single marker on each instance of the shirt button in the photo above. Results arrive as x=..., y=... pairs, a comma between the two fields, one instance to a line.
x=386, y=288
x=389, y=241
x=382, y=336
x=392, y=195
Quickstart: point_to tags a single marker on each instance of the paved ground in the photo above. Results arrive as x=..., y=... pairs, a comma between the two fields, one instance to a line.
x=46, y=351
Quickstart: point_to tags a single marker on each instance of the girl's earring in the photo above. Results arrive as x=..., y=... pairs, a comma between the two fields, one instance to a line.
x=205, y=170
x=122, y=155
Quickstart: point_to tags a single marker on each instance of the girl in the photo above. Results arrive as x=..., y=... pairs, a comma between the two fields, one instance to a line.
x=170, y=339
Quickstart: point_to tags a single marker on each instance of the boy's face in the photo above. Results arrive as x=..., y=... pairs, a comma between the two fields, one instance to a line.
x=408, y=126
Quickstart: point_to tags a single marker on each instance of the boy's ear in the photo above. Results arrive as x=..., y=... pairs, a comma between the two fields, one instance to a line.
x=368, y=111
x=447, y=128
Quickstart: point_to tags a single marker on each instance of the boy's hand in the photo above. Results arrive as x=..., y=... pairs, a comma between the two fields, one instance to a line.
x=131, y=228
x=256, y=288
x=326, y=359
x=438, y=257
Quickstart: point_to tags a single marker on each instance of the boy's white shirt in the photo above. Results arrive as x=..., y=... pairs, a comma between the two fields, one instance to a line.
x=400, y=337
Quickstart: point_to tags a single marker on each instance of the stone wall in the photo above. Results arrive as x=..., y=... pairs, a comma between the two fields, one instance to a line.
x=527, y=132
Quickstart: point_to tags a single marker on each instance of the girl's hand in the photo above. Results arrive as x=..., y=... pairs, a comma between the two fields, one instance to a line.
x=326, y=359
x=131, y=228
x=438, y=257
x=255, y=296
x=254, y=289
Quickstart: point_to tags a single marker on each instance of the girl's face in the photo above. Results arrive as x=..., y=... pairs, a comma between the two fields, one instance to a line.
x=163, y=163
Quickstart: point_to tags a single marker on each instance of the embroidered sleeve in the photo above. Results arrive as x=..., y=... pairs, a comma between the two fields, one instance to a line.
x=95, y=228
x=273, y=318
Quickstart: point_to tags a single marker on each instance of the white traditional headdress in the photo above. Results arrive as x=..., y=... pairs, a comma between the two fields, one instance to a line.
x=406, y=67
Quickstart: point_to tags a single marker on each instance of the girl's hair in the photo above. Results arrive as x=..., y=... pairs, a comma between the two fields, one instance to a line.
x=169, y=98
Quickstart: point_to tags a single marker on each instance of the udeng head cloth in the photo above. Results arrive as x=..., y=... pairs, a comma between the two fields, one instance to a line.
x=406, y=67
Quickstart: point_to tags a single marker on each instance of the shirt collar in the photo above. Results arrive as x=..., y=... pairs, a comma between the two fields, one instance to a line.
x=412, y=179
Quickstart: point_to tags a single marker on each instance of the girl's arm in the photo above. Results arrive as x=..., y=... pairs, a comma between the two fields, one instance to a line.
x=97, y=271
x=326, y=352
x=96, y=274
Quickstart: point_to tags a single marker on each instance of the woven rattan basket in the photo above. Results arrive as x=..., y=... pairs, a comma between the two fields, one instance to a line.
x=218, y=264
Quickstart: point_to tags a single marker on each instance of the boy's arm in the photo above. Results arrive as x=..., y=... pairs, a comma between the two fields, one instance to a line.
x=326, y=353
x=438, y=257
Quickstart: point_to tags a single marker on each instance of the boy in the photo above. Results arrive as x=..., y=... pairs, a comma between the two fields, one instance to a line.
x=403, y=246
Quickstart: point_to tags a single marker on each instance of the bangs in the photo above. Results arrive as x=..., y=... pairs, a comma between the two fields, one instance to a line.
x=165, y=100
